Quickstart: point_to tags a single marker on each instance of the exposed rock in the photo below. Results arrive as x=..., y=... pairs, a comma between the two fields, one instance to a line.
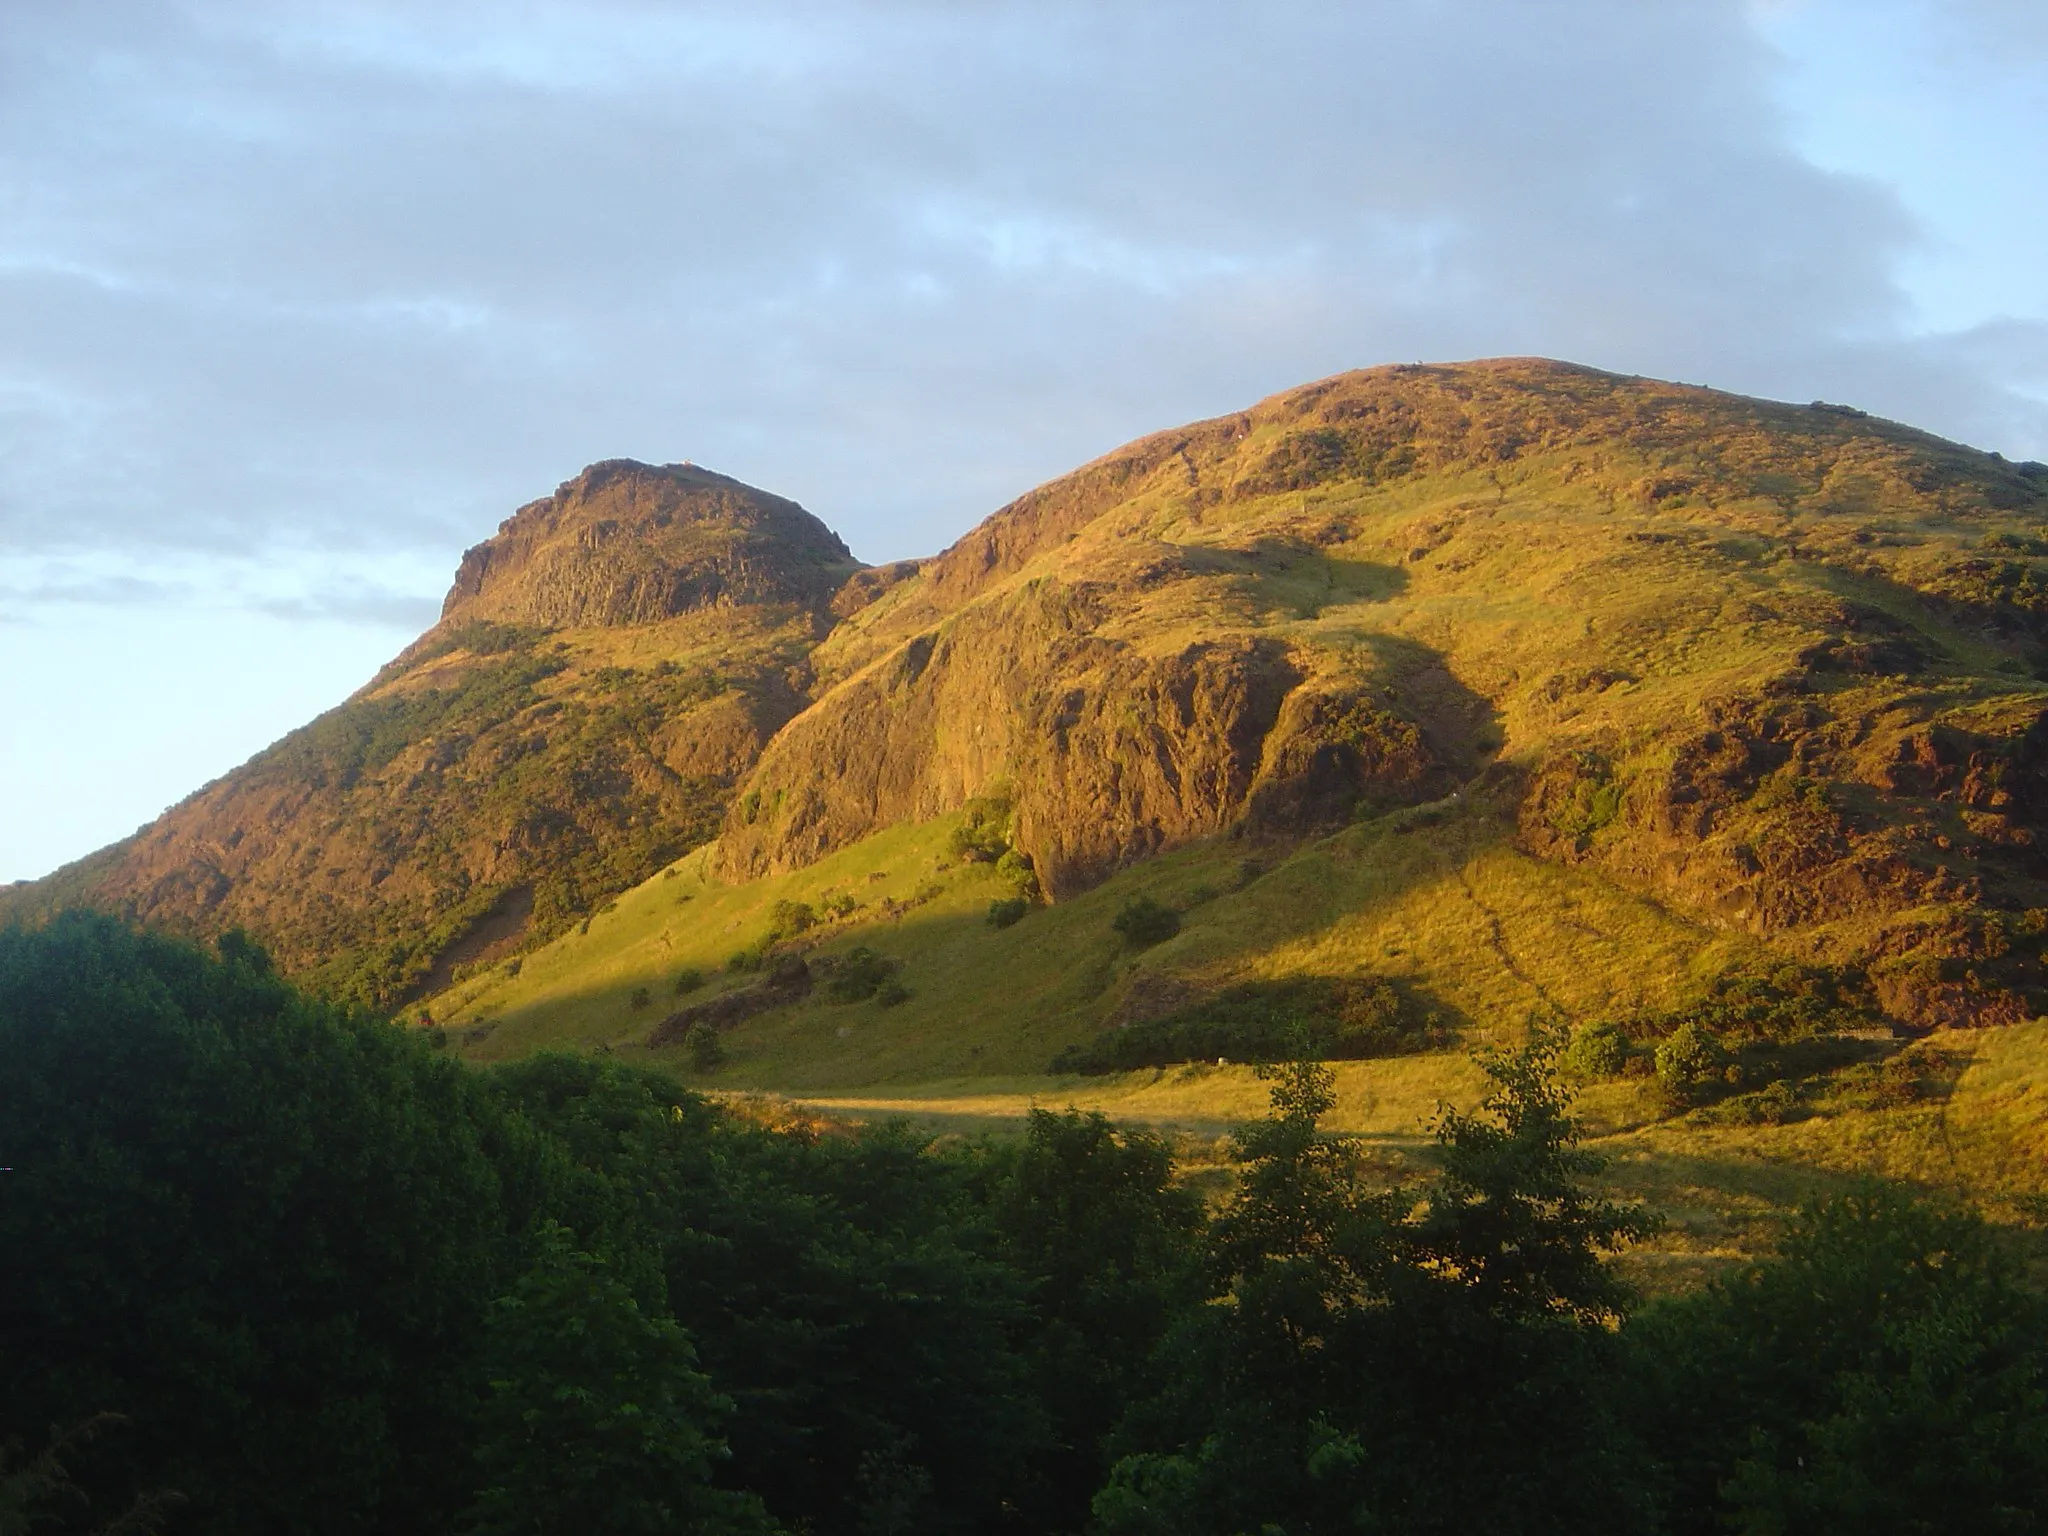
x=629, y=543
x=789, y=981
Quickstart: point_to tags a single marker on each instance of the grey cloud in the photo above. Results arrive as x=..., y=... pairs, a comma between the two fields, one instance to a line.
x=370, y=275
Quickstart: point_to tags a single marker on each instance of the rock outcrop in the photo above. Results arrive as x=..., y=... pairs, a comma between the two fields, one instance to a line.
x=628, y=544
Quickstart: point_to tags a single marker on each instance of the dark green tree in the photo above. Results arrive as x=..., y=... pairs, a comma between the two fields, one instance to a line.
x=1090, y=1214
x=597, y=1418
x=1888, y=1373
x=843, y=1292
x=1414, y=1358
x=253, y=1225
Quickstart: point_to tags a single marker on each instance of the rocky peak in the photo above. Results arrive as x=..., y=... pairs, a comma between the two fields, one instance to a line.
x=629, y=543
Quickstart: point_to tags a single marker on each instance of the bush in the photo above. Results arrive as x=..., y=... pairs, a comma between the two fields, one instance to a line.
x=641, y=997
x=1143, y=922
x=688, y=979
x=1015, y=866
x=1691, y=1064
x=707, y=1051
x=1597, y=1050
x=859, y=975
x=787, y=919
x=984, y=836
x=1006, y=910
x=1323, y=1017
x=892, y=992
x=748, y=959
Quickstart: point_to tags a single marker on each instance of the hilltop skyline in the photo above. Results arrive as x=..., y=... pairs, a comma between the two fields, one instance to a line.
x=303, y=300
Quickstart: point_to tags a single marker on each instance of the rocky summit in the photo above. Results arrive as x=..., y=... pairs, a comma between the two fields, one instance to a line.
x=1770, y=671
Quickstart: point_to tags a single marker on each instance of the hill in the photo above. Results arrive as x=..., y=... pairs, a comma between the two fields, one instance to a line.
x=1447, y=694
x=605, y=668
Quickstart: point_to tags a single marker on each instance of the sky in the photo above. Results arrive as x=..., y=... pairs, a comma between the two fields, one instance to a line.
x=299, y=298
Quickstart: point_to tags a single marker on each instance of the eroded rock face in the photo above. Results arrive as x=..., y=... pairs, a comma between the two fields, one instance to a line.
x=627, y=543
x=1906, y=846
x=1111, y=751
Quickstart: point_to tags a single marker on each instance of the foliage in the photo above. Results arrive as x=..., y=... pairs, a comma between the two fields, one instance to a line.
x=252, y=1224
x=39, y=1490
x=1016, y=867
x=1111, y=1246
x=839, y=1292
x=1596, y=1050
x=707, y=1051
x=1144, y=922
x=985, y=834
x=1691, y=1064
x=1396, y=1359
x=787, y=919
x=1005, y=911
x=1323, y=1017
x=334, y=1283
x=597, y=1417
x=859, y=975
x=1888, y=1373
x=1593, y=801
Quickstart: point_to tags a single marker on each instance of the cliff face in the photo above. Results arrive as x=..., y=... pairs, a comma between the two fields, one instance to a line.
x=1112, y=749
x=605, y=668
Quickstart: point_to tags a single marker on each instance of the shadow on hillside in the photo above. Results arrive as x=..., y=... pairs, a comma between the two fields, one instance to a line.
x=988, y=1003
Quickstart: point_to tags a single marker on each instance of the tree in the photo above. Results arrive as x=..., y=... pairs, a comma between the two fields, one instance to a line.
x=1886, y=1373
x=1091, y=1215
x=1418, y=1357
x=597, y=1418
x=253, y=1225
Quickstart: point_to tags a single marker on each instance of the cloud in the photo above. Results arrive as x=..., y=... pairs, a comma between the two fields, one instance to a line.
x=364, y=277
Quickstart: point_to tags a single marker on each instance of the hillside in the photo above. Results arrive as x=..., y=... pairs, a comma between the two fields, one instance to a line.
x=605, y=668
x=1510, y=686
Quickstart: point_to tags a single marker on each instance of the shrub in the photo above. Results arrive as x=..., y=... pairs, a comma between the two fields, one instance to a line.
x=707, y=1051
x=892, y=992
x=984, y=836
x=641, y=997
x=1597, y=1050
x=1015, y=866
x=1006, y=910
x=1144, y=922
x=1691, y=1063
x=688, y=979
x=859, y=975
x=1324, y=1017
x=787, y=919
x=1773, y=1105
x=748, y=959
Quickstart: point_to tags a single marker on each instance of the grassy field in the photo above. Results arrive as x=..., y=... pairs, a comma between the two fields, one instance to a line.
x=1434, y=899
x=1437, y=898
